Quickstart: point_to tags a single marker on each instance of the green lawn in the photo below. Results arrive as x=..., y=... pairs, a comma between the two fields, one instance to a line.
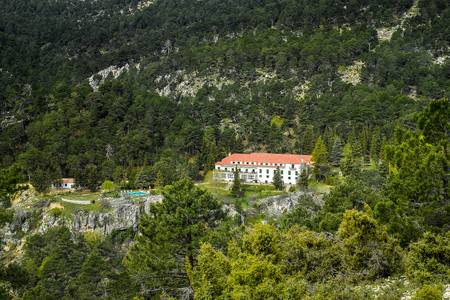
x=70, y=208
x=80, y=196
x=251, y=193
x=319, y=187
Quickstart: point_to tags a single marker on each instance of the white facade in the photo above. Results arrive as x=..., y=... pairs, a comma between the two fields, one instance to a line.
x=260, y=172
x=68, y=186
x=65, y=184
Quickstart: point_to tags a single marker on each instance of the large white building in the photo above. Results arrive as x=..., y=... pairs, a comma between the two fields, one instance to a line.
x=261, y=167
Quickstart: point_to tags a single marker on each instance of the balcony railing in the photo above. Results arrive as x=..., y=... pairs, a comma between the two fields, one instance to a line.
x=226, y=175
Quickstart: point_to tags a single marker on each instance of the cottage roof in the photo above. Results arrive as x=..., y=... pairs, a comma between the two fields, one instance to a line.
x=68, y=180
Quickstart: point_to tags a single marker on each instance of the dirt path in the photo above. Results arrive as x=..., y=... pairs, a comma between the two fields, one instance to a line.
x=81, y=202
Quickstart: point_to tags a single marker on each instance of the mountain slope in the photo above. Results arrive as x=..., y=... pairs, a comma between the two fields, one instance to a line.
x=197, y=79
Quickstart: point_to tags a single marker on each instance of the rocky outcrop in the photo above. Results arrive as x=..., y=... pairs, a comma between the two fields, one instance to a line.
x=351, y=74
x=122, y=214
x=96, y=80
x=276, y=205
x=182, y=83
x=31, y=216
x=385, y=33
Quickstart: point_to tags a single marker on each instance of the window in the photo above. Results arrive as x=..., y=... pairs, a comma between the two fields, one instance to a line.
x=260, y=176
x=267, y=171
x=296, y=172
x=260, y=170
x=289, y=172
x=267, y=176
x=226, y=169
x=289, y=177
x=281, y=172
x=292, y=166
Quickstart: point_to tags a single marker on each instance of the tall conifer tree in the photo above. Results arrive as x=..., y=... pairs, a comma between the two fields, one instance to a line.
x=278, y=180
x=236, y=189
x=320, y=159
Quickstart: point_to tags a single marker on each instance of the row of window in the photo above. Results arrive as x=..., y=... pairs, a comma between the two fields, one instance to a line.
x=245, y=170
x=281, y=172
x=289, y=178
x=260, y=171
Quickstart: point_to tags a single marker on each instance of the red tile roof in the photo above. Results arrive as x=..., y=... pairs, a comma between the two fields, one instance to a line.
x=68, y=180
x=271, y=158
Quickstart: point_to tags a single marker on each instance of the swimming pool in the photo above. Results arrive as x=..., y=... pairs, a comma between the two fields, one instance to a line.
x=138, y=194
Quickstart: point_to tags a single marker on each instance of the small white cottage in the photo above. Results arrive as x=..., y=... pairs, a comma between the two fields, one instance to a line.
x=65, y=184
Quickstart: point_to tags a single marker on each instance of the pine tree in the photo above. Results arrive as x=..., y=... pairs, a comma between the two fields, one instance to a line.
x=357, y=151
x=364, y=139
x=336, y=151
x=375, y=146
x=159, y=181
x=236, y=189
x=328, y=138
x=320, y=159
x=346, y=161
x=303, y=180
x=306, y=139
x=277, y=180
x=349, y=163
x=169, y=238
x=209, y=149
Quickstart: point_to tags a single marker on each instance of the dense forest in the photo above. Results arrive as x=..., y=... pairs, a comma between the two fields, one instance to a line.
x=150, y=94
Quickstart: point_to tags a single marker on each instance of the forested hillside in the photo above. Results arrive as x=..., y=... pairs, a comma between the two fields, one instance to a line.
x=205, y=78
x=149, y=94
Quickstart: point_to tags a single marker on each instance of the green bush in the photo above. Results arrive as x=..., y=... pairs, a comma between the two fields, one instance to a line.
x=429, y=258
x=56, y=212
x=314, y=256
x=429, y=292
x=108, y=186
x=369, y=252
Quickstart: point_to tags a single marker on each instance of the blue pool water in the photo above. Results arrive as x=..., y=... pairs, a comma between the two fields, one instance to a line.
x=137, y=193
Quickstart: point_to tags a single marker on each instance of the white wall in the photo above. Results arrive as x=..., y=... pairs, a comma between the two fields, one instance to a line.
x=67, y=186
x=265, y=173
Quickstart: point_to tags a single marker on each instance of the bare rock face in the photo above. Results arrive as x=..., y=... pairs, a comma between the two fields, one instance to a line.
x=122, y=214
x=276, y=205
x=385, y=33
x=120, y=218
x=351, y=74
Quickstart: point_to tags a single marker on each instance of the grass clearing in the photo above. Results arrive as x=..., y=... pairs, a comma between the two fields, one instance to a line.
x=81, y=196
x=319, y=187
x=66, y=209
x=70, y=208
x=251, y=193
